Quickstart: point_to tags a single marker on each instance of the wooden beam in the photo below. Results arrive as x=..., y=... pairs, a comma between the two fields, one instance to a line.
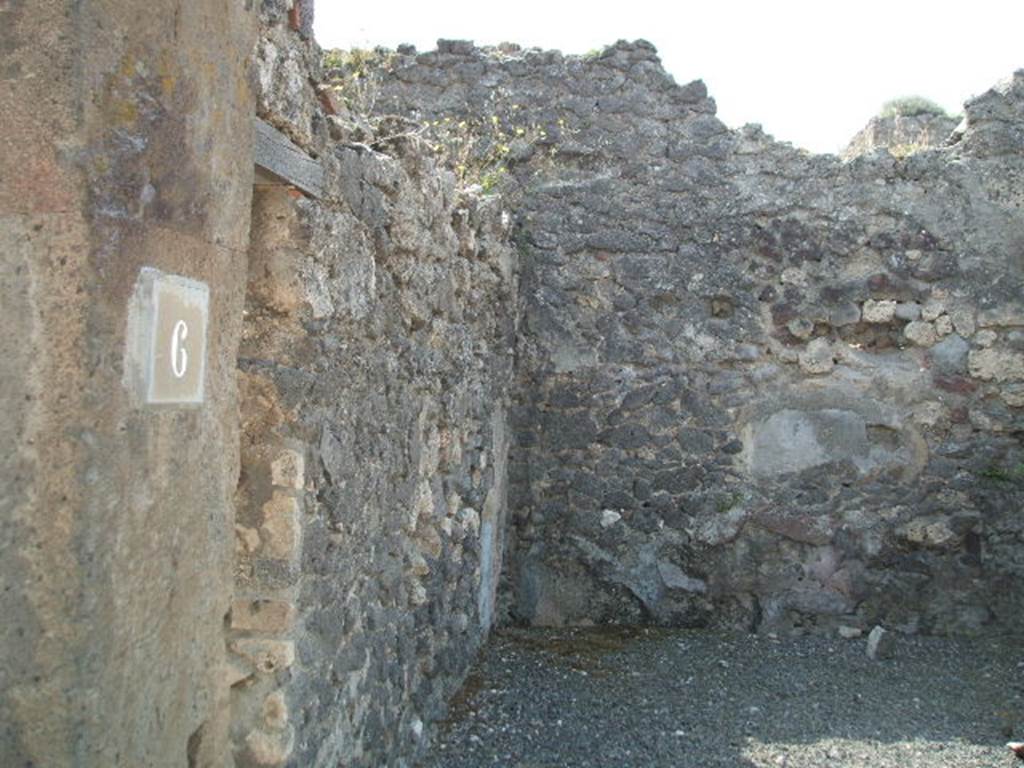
x=275, y=153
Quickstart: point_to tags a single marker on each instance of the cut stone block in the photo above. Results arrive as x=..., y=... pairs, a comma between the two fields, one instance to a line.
x=262, y=615
x=269, y=749
x=288, y=470
x=280, y=533
x=267, y=656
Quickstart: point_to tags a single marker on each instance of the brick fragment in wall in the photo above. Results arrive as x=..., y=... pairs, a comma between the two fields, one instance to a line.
x=280, y=532
x=288, y=470
x=258, y=615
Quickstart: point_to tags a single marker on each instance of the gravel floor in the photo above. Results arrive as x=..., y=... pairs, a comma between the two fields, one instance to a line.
x=547, y=698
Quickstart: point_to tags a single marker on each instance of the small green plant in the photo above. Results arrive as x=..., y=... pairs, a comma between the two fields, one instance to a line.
x=1014, y=474
x=725, y=503
x=352, y=75
x=905, y=150
x=357, y=62
x=481, y=150
x=911, y=106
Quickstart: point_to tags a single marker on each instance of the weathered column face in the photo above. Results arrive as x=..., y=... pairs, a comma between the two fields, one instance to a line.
x=126, y=156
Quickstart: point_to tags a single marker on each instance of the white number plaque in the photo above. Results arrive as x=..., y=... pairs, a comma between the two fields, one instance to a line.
x=167, y=338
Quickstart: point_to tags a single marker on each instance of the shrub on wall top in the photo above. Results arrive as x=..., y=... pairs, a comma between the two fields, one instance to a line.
x=911, y=106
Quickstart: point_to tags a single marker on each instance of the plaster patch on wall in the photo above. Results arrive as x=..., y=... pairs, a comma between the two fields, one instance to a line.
x=792, y=440
x=487, y=575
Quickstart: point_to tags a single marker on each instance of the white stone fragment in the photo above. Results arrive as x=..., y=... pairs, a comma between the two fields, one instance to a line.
x=878, y=311
x=928, y=532
x=921, y=333
x=288, y=470
x=1013, y=395
x=963, y=321
x=881, y=644
x=817, y=358
x=985, y=338
x=996, y=365
x=793, y=276
x=932, y=309
x=609, y=517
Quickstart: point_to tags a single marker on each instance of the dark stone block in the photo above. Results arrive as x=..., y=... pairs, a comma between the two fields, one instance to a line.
x=626, y=437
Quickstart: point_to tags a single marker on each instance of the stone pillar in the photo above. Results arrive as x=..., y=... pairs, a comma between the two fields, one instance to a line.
x=125, y=146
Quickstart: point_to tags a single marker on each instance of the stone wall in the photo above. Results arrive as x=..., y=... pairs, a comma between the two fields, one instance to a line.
x=755, y=387
x=375, y=368
x=125, y=144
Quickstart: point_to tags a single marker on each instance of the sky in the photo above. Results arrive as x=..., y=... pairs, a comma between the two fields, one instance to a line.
x=811, y=73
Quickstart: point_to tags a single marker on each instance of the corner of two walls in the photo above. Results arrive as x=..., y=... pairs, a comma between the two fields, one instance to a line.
x=755, y=387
